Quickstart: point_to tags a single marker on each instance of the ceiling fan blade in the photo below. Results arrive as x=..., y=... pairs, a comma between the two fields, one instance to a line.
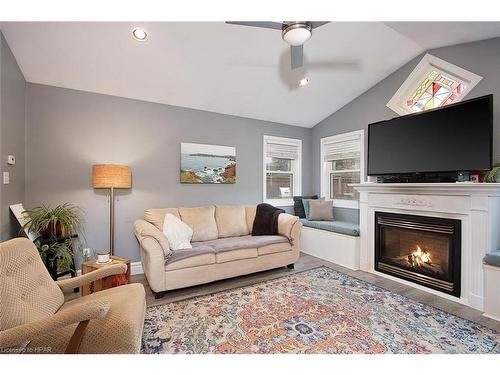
x=316, y=24
x=297, y=56
x=263, y=24
x=333, y=65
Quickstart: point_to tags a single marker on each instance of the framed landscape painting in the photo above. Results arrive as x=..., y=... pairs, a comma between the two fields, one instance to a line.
x=207, y=164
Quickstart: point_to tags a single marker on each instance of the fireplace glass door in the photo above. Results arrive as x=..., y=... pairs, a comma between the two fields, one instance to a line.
x=422, y=249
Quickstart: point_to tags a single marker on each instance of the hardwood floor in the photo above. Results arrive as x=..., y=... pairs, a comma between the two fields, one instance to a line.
x=306, y=262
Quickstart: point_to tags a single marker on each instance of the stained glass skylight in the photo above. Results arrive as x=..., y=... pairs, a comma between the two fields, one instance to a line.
x=433, y=83
x=436, y=90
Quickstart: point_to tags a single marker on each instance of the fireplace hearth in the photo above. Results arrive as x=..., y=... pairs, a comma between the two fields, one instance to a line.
x=422, y=249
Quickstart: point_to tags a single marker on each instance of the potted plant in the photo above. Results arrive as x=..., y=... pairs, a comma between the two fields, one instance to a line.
x=56, y=228
x=494, y=174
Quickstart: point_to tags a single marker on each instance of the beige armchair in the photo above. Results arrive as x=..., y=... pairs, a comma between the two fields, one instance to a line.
x=35, y=319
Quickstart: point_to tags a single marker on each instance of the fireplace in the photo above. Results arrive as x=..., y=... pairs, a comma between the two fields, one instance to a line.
x=422, y=249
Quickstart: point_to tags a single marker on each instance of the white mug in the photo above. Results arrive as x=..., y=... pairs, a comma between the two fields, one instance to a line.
x=103, y=257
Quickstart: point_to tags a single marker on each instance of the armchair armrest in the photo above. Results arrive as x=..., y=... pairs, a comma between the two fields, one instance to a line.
x=26, y=332
x=286, y=223
x=74, y=282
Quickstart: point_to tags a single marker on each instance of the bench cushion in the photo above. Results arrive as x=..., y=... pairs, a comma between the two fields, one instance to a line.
x=342, y=227
x=493, y=258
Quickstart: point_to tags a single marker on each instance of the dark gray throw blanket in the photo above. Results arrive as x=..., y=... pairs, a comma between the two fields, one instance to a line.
x=266, y=220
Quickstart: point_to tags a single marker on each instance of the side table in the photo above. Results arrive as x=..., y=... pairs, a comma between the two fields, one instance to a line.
x=107, y=282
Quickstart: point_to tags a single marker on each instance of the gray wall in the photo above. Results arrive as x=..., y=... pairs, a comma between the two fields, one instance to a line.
x=481, y=57
x=13, y=138
x=68, y=131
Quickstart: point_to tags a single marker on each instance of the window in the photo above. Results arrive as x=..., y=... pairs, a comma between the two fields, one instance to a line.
x=282, y=170
x=342, y=159
x=433, y=83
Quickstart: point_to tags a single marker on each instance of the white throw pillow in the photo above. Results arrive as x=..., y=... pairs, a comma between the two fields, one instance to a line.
x=177, y=232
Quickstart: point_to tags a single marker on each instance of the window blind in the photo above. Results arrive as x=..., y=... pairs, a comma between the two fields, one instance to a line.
x=282, y=150
x=346, y=148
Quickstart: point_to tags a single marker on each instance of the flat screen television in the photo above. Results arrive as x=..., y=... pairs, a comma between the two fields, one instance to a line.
x=454, y=138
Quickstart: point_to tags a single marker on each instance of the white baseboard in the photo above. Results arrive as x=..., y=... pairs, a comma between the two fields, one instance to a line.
x=135, y=269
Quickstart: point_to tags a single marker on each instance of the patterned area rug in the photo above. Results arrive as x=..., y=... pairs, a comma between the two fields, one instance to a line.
x=315, y=311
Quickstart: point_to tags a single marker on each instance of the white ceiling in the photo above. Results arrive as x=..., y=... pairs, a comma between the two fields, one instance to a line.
x=212, y=66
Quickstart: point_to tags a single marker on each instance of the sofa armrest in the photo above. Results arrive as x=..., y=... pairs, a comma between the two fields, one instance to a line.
x=154, y=250
x=24, y=333
x=286, y=223
x=75, y=282
x=144, y=229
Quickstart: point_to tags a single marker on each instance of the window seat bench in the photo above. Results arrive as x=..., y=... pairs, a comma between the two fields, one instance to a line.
x=342, y=227
x=334, y=241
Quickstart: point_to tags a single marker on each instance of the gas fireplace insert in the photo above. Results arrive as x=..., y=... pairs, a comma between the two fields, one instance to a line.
x=422, y=249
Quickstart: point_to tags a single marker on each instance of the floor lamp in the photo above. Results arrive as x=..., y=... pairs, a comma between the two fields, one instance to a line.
x=111, y=176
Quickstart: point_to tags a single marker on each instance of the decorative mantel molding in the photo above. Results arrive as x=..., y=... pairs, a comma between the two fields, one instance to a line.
x=477, y=205
x=449, y=188
x=413, y=202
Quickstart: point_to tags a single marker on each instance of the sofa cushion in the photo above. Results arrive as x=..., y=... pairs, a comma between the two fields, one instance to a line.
x=198, y=248
x=156, y=216
x=202, y=222
x=274, y=248
x=342, y=227
x=231, y=221
x=229, y=256
x=191, y=259
x=244, y=242
x=250, y=216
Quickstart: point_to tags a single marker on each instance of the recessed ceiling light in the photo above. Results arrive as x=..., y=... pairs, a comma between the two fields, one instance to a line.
x=140, y=34
x=303, y=82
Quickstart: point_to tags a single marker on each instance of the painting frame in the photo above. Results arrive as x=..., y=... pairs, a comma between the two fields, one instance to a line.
x=203, y=163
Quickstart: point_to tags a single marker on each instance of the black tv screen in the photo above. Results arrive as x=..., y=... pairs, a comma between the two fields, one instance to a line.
x=454, y=138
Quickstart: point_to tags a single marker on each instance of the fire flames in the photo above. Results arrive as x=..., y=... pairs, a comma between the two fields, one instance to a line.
x=419, y=257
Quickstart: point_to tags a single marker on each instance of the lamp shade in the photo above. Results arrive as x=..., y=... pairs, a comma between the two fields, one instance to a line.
x=111, y=176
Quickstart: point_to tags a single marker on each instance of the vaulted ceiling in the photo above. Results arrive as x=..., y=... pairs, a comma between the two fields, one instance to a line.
x=213, y=66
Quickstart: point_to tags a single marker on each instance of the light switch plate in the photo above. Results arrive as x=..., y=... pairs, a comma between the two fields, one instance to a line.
x=6, y=178
x=11, y=160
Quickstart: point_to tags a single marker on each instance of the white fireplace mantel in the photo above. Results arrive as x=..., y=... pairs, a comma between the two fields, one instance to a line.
x=477, y=205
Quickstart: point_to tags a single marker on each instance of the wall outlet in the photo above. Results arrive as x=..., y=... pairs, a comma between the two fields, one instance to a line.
x=11, y=160
x=6, y=178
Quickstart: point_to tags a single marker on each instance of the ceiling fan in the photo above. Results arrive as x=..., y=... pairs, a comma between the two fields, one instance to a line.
x=295, y=33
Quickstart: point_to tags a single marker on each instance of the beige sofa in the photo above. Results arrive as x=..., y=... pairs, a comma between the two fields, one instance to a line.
x=222, y=246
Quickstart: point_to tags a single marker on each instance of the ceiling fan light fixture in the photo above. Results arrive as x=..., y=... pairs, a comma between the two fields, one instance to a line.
x=140, y=35
x=297, y=34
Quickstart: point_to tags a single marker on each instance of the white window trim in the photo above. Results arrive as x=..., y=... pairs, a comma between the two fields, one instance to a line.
x=325, y=171
x=398, y=100
x=297, y=173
